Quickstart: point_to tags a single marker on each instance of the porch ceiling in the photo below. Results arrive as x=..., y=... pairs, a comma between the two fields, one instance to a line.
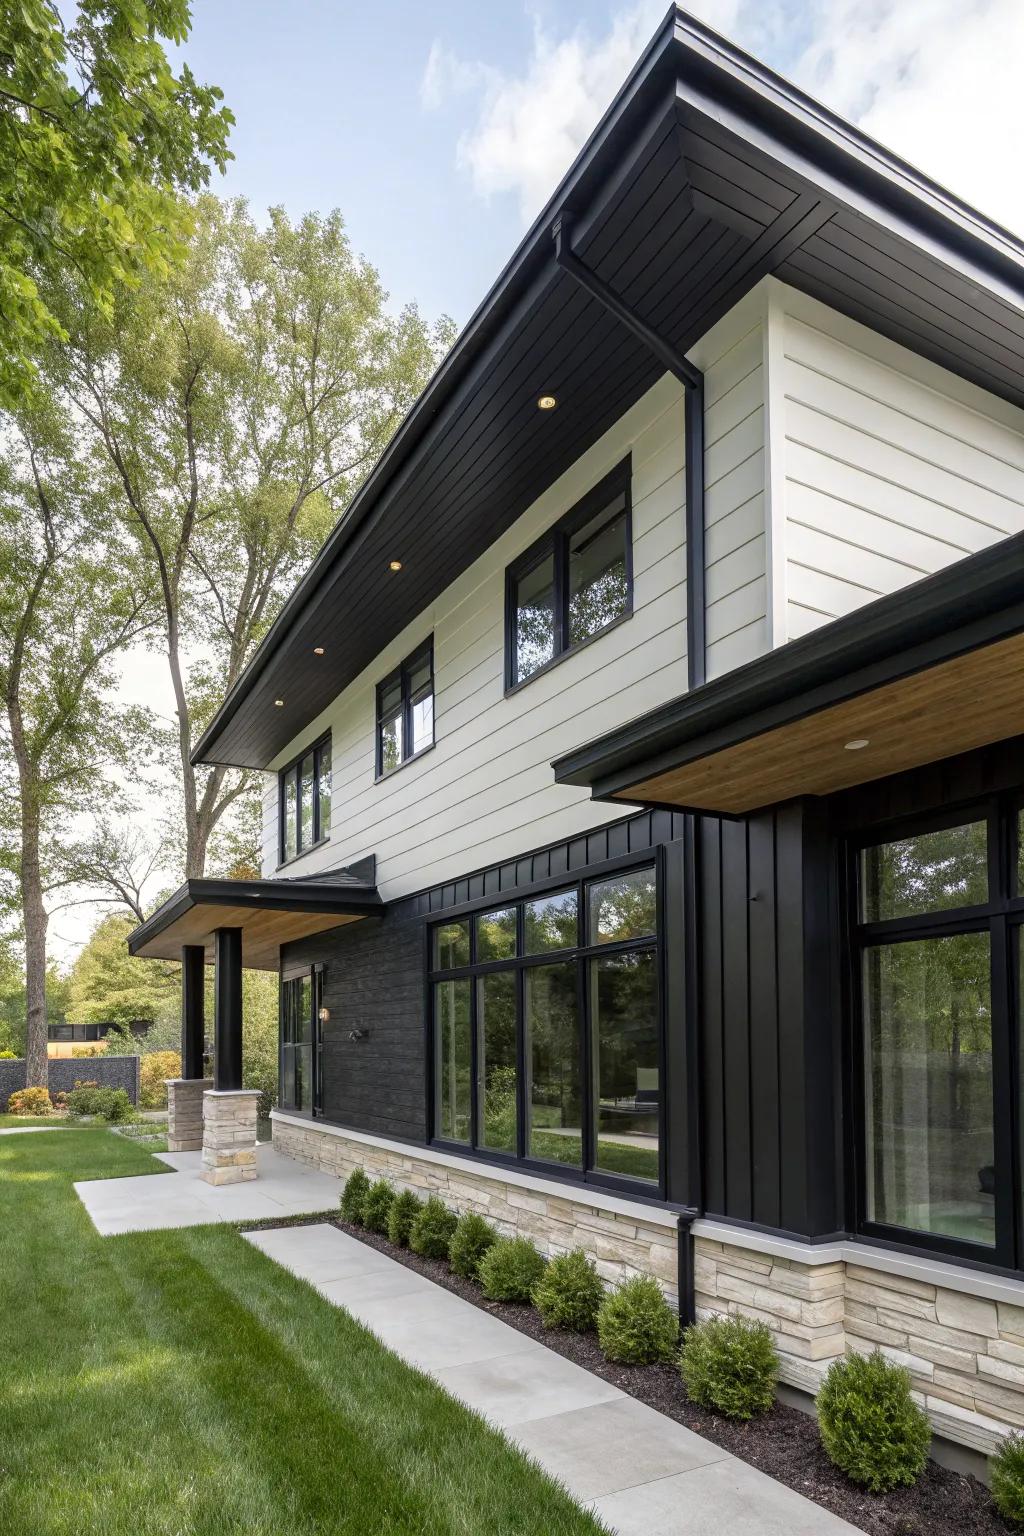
x=269, y=913
x=926, y=673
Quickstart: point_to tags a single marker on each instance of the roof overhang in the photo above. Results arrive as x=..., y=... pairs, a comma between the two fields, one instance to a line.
x=923, y=674
x=269, y=913
x=707, y=173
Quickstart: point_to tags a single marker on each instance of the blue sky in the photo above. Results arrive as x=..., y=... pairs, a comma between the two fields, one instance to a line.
x=439, y=129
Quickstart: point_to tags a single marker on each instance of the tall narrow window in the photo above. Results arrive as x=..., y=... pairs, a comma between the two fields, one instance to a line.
x=296, y=1085
x=573, y=583
x=304, y=796
x=553, y=1061
x=926, y=1003
x=405, y=711
x=452, y=1063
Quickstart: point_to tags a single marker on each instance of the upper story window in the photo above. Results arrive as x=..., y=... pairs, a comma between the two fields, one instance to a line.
x=573, y=583
x=304, y=798
x=405, y=710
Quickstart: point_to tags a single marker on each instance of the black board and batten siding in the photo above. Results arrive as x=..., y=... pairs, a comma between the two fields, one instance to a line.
x=769, y=1035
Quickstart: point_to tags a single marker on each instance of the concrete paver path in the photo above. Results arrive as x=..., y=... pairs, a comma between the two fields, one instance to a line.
x=642, y=1474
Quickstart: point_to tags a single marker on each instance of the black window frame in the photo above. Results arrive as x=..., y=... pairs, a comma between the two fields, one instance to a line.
x=320, y=835
x=580, y=954
x=402, y=675
x=1001, y=918
x=555, y=543
x=314, y=975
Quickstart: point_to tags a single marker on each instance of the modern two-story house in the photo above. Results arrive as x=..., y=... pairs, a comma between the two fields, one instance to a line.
x=644, y=753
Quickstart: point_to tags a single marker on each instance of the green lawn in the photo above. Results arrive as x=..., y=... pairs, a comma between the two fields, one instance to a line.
x=182, y=1384
x=7, y=1120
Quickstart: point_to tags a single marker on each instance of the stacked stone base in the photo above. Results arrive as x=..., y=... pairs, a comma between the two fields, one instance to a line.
x=623, y=1237
x=229, y=1136
x=185, y=1113
x=965, y=1352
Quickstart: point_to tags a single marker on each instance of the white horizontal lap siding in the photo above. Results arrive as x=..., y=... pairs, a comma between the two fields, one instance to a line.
x=486, y=793
x=894, y=468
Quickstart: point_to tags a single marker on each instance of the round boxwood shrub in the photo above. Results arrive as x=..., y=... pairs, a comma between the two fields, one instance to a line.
x=405, y=1207
x=511, y=1269
x=730, y=1364
x=432, y=1230
x=636, y=1325
x=1006, y=1471
x=353, y=1197
x=470, y=1241
x=570, y=1292
x=870, y=1425
x=377, y=1206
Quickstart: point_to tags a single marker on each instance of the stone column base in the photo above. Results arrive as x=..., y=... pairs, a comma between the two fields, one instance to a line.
x=229, y=1135
x=185, y=1113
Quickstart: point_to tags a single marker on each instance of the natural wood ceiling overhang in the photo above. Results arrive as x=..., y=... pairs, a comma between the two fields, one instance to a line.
x=707, y=173
x=269, y=913
x=926, y=673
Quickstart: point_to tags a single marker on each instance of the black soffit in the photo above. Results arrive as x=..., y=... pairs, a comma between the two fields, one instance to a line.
x=707, y=173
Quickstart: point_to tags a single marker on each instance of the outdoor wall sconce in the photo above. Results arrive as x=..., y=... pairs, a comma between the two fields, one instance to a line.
x=324, y=1015
x=359, y=1034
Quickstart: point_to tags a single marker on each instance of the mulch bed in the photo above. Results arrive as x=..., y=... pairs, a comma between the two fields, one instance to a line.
x=784, y=1443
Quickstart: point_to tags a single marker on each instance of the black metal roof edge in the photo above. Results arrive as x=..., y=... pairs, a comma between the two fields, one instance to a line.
x=971, y=603
x=278, y=895
x=782, y=95
x=925, y=204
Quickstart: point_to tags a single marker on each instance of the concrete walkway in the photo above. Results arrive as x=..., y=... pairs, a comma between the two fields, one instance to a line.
x=26, y=1130
x=642, y=1474
x=150, y=1202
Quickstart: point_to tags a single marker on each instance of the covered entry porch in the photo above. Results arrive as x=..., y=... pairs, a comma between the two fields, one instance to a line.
x=233, y=925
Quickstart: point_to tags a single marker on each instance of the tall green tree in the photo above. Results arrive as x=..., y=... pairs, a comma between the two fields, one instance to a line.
x=71, y=598
x=98, y=135
x=108, y=984
x=235, y=409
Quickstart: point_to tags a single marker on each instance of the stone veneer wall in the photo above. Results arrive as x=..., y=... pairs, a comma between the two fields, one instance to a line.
x=621, y=1245
x=965, y=1353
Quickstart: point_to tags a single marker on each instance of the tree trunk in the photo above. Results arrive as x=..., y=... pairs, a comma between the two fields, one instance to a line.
x=34, y=916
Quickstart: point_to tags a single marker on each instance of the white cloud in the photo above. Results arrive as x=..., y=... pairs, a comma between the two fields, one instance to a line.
x=937, y=81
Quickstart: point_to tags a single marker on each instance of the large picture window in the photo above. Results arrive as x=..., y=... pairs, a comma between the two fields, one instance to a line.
x=937, y=925
x=405, y=711
x=547, y=1034
x=304, y=798
x=573, y=583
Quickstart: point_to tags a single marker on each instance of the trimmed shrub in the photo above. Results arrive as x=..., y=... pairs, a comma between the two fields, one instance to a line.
x=110, y=1104
x=636, y=1325
x=570, y=1292
x=511, y=1269
x=118, y=1108
x=730, y=1364
x=357, y=1187
x=432, y=1230
x=29, y=1101
x=870, y=1426
x=470, y=1241
x=8, y=1056
x=377, y=1206
x=154, y=1070
x=1006, y=1470
x=405, y=1208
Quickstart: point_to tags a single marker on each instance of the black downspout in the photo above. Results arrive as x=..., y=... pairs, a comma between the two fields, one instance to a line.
x=692, y=380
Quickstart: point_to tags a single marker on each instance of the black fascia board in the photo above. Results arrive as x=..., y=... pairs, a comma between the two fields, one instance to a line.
x=272, y=895
x=714, y=78
x=973, y=603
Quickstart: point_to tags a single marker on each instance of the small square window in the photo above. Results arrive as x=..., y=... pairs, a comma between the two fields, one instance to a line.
x=496, y=935
x=451, y=946
x=550, y=923
x=624, y=907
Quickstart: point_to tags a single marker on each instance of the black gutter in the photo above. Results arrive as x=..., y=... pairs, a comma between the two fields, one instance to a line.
x=973, y=603
x=692, y=380
x=272, y=895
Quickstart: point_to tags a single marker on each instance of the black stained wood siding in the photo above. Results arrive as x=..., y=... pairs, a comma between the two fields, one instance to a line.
x=372, y=980
x=769, y=1027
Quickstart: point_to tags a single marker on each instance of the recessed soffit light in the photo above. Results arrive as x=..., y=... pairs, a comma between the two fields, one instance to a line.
x=394, y=565
x=857, y=744
x=279, y=703
x=318, y=650
x=547, y=403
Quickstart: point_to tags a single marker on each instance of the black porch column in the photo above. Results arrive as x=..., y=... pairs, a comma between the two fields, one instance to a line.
x=227, y=1015
x=193, y=1020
